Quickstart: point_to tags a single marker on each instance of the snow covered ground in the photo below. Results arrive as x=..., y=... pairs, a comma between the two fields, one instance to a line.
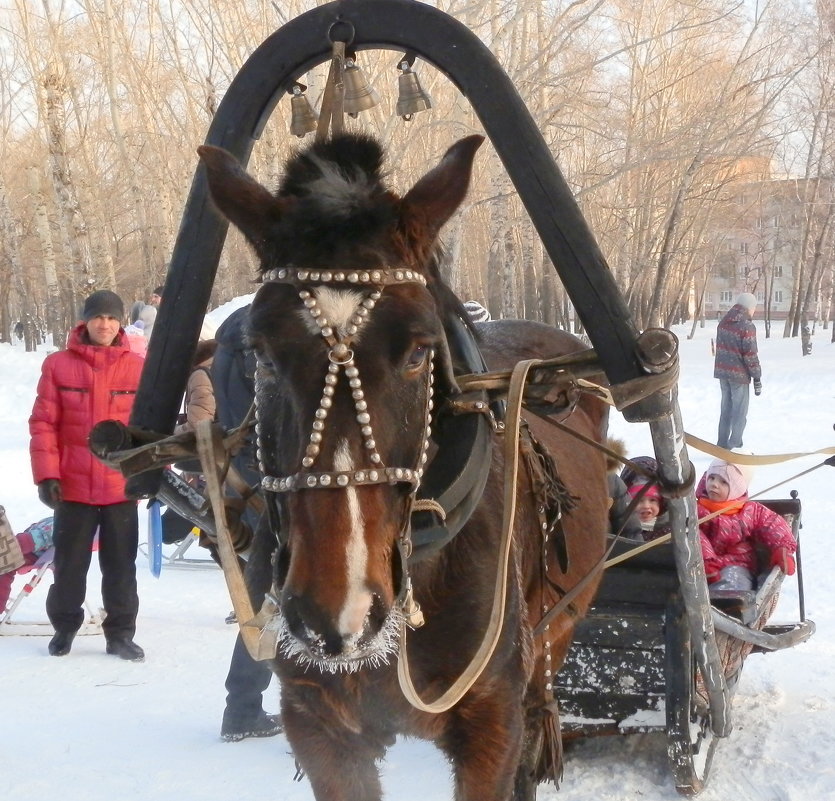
x=90, y=727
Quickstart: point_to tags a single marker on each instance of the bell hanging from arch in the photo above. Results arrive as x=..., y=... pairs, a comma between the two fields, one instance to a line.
x=303, y=119
x=410, y=95
x=359, y=94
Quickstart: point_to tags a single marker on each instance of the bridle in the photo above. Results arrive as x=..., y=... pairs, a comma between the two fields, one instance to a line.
x=341, y=359
x=339, y=339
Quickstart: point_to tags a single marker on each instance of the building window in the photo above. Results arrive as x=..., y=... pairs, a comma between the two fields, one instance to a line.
x=760, y=297
x=726, y=296
x=778, y=271
x=743, y=248
x=778, y=295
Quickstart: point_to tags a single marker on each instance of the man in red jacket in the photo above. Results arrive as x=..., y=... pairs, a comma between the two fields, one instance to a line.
x=94, y=379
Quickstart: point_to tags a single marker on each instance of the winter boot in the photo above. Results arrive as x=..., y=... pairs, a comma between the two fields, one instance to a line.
x=125, y=649
x=235, y=728
x=61, y=643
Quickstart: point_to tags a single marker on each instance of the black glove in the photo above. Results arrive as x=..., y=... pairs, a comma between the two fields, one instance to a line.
x=758, y=386
x=49, y=491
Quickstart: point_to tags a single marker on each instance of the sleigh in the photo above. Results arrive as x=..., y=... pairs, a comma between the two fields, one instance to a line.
x=641, y=659
x=632, y=669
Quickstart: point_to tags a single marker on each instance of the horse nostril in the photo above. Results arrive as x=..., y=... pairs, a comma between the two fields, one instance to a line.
x=307, y=624
x=292, y=616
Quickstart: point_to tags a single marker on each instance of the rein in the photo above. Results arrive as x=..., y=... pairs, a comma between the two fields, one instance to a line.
x=470, y=675
x=260, y=641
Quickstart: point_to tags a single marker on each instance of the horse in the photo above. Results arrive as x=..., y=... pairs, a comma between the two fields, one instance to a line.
x=354, y=327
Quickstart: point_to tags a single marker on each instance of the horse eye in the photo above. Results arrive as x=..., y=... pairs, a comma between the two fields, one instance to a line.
x=417, y=357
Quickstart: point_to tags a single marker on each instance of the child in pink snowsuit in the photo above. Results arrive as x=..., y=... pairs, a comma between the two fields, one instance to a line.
x=730, y=539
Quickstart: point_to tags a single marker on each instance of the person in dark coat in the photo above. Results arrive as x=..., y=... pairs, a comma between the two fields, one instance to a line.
x=94, y=379
x=233, y=378
x=736, y=365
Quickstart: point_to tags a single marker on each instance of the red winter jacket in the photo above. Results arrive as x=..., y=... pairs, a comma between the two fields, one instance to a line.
x=78, y=388
x=731, y=539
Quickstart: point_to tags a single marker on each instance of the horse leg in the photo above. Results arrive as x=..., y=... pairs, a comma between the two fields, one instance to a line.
x=527, y=779
x=484, y=743
x=338, y=759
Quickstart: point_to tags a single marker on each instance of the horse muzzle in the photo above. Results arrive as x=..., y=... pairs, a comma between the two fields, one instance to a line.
x=317, y=638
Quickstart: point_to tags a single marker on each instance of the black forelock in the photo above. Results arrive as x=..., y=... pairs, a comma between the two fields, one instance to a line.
x=339, y=202
x=351, y=153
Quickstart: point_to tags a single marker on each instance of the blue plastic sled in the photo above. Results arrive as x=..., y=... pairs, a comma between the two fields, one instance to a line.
x=154, y=538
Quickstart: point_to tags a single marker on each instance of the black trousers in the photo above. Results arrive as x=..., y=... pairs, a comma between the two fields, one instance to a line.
x=74, y=528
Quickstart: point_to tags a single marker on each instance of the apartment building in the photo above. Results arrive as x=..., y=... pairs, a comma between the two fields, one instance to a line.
x=771, y=221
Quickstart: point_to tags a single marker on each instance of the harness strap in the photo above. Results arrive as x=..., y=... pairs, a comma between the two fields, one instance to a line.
x=749, y=458
x=331, y=113
x=470, y=675
x=260, y=642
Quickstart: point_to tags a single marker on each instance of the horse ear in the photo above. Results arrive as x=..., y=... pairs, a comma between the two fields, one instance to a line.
x=238, y=196
x=436, y=196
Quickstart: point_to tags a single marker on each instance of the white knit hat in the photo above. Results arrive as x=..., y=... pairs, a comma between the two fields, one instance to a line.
x=747, y=301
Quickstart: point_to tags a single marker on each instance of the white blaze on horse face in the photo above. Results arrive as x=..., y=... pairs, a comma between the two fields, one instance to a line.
x=357, y=598
x=338, y=306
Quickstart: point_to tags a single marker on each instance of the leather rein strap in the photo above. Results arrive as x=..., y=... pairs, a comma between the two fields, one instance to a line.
x=494, y=628
x=260, y=641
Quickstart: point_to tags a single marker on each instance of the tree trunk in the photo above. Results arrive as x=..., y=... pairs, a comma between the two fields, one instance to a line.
x=56, y=322
x=81, y=275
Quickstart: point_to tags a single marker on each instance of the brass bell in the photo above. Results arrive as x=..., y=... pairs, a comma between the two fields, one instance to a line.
x=359, y=94
x=410, y=95
x=303, y=119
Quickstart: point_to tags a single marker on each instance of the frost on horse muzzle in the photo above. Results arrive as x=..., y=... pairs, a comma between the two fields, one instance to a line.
x=347, y=622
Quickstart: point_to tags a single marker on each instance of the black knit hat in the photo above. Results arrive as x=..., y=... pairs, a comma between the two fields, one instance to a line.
x=104, y=302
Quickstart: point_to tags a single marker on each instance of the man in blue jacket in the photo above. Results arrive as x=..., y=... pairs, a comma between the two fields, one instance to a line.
x=736, y=365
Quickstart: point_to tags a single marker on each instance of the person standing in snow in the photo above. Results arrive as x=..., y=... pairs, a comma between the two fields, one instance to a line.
x=94, y=379
x=146, y=313
x=736, y=365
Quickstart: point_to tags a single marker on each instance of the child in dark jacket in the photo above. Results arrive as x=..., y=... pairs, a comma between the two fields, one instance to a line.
x=730, y=538
x=651, y=509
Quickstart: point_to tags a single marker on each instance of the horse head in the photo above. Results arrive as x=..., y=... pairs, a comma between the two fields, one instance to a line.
x=348, y=328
